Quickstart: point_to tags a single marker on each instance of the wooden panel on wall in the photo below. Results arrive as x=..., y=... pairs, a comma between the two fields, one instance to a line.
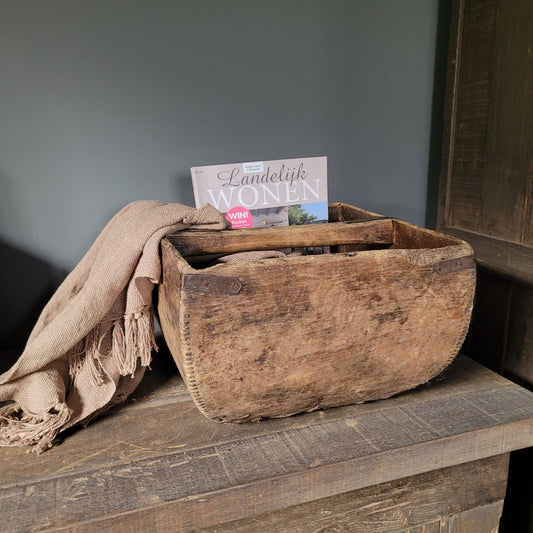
x=507, y=183
x=487, y=172
x=476, y=33
x=486, y=187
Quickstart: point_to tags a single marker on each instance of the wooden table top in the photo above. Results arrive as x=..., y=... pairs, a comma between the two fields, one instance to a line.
x=156, y=459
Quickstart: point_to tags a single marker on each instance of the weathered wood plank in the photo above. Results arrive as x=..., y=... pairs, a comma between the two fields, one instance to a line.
x=450, y=113
x=507, y=176
x=185, y=429
x=190, y=243
x=486, y=187
x=197, y=486
x=486, y=178
x=505, y=257
x=164, y=467
x=409, y=504
x=471, y=108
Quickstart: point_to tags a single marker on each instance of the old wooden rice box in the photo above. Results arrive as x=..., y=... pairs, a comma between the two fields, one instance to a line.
x=385, y=311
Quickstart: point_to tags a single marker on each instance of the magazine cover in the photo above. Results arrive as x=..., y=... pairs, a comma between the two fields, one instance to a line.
x=265, y=193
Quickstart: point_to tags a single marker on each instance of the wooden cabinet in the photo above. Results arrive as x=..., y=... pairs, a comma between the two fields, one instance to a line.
x=486, y=194
x=486, y=189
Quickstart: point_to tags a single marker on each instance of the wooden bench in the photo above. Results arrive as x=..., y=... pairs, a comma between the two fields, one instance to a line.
x=434, y=459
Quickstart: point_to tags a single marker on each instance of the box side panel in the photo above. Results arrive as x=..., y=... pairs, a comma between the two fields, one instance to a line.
x=311, y=332
x=169, y=299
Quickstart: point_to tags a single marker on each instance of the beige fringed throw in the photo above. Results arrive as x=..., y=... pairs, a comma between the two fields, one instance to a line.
x=94, y=339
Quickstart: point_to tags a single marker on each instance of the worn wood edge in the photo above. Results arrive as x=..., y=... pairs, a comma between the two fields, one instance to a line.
x=341, y=212
x=511, y=259
x=179, y=268
x=464, y=327
x=457, y=248
x=436, y=237
x=173, y=266
x=193, y=242
x=467, y=317
x=181, y=353
x=409, y=502
x=169, y=249
x=382, y=231
x=188, y=367
x=422, y=257
x=450, y=108
x=320, y=482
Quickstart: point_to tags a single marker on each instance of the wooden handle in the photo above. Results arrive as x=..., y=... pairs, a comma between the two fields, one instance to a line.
x=192, y=242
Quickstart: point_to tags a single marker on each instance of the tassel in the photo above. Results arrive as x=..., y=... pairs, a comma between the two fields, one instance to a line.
x=132, y=339
x=92, y=355
x=75, y=359
x=118, y=344
x=145, y=337
x=139, y=341
x=87, y=353
x=129, y=363
x=19, y=428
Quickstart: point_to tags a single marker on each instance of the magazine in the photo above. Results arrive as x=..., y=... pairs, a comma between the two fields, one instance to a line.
x=265, y=193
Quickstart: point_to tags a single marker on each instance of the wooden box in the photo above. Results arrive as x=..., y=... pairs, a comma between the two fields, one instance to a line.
x=384, y=312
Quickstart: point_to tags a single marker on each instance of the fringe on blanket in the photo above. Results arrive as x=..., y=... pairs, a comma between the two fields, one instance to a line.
x=19, y=428
x=135, y=340
x=132, y=342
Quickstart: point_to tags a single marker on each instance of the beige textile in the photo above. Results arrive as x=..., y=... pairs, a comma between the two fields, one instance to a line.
x=94, y=338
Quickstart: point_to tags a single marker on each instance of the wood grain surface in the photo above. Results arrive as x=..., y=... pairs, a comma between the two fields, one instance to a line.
x=486, y=185
x=192, y=242
x=275, y=337
x=443, y=501
x=156, y=464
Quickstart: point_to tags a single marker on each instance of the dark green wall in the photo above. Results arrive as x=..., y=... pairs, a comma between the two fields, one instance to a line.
x=106, y=101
